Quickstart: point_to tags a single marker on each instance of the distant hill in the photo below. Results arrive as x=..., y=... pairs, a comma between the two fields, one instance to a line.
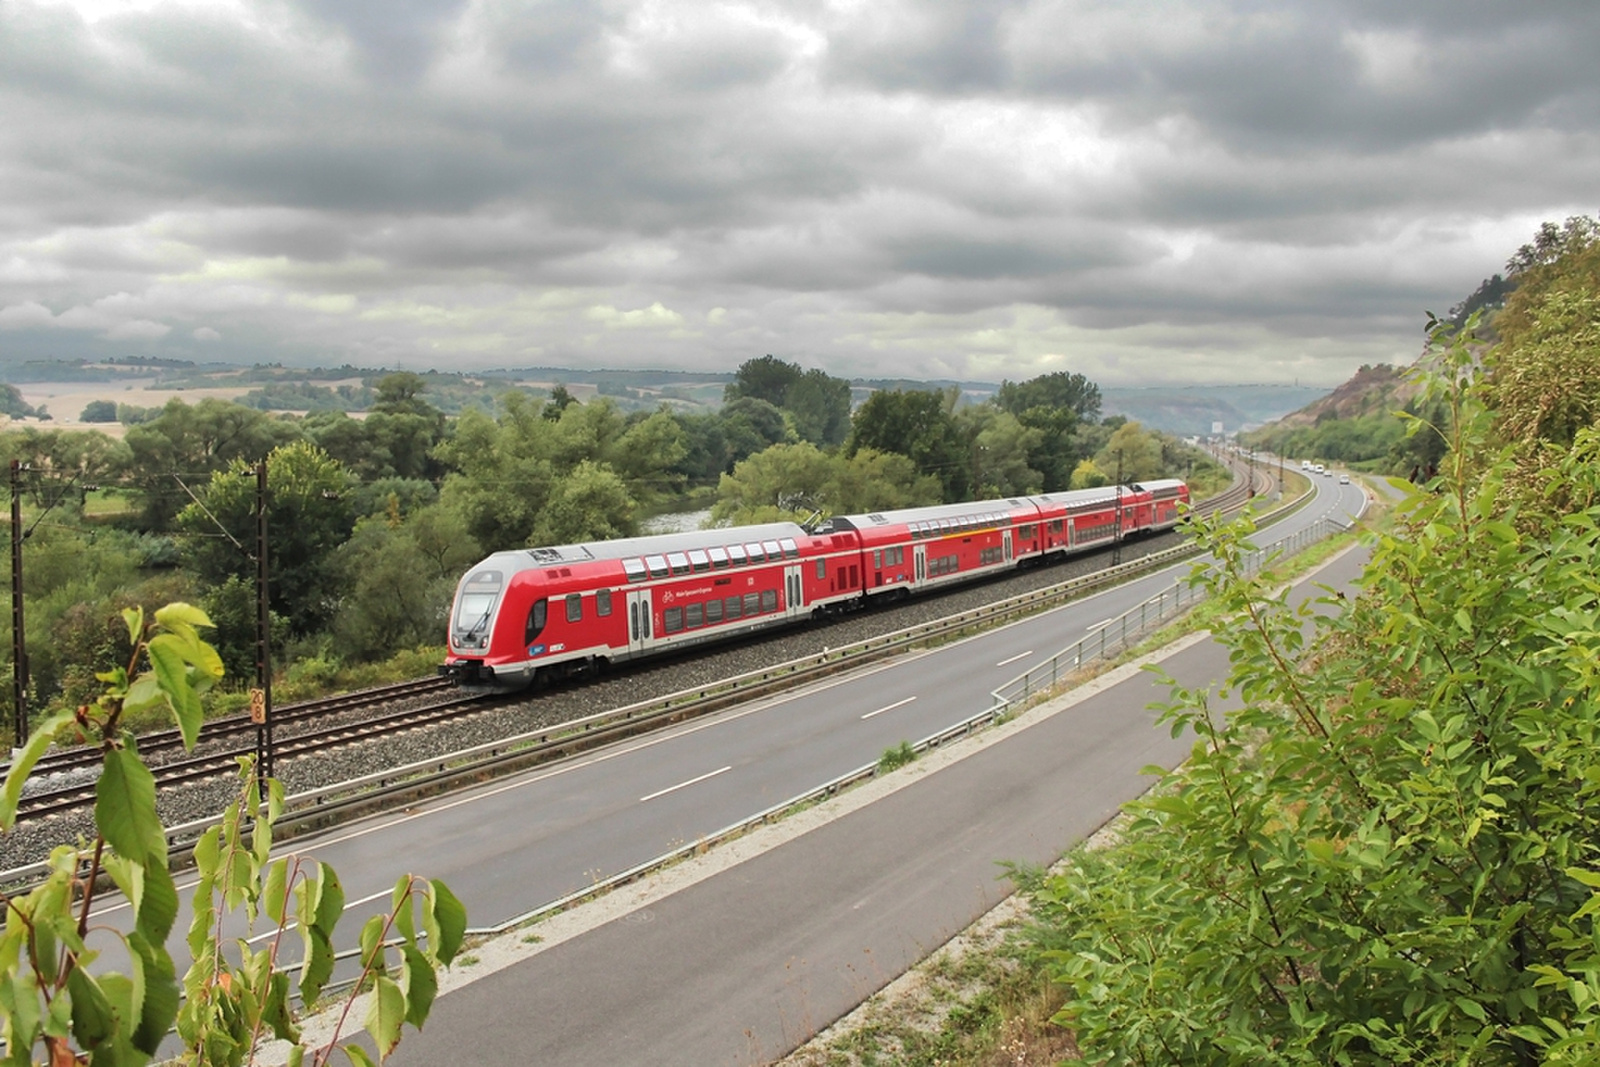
x=1192, y=410
x=1373, y=390
x=1354, y=425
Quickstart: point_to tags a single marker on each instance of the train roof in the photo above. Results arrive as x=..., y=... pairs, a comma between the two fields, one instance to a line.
x=634, y=547
x=1156, y=485
x=901, y=516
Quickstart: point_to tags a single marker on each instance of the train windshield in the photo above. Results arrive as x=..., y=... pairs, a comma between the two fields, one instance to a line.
x=472, y=610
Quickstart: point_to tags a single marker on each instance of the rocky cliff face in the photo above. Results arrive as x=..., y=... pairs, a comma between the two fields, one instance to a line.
x=1374, y=390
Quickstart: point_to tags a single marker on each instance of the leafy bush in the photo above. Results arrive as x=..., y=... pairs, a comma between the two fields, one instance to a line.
x=1388, y=854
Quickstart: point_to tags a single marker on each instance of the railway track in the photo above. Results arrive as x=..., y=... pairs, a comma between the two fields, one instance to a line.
x=222, y=741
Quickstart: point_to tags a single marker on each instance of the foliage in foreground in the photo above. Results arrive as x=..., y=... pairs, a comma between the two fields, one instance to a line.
x=233, y=996
x=1388, y=855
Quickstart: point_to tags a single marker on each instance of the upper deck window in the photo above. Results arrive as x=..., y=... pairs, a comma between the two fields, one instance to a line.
x=658, y=566
x=738, y=555
x=679, y=561
x=756, y=552
x=790, y=549
x=634, y=569
x=699, y=560
x=718, y=556
x=773, y=551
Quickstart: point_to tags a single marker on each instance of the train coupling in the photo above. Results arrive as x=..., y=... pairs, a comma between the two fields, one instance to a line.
x=467, y=672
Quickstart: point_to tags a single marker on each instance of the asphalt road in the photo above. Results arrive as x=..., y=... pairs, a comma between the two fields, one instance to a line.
x=744, y=966
x=523, y=841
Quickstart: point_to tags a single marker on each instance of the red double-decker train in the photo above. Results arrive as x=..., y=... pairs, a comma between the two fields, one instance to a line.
x=549, y=611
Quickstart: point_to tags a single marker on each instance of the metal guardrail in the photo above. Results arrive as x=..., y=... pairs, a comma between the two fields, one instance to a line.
x=1155, y=611
x=316, y=807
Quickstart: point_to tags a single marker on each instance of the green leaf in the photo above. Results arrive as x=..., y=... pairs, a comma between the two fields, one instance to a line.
x=179, y=614
x=420, y=983
x=358, y=1056
x=385, y=1013
x=134, y=618
x=372, y=955
x=144, y=693
x=172, y=674
x=92, y=1019
x=446, y=922
x=125, y=808
x=161, y=999
x=275, y=1009
x=330, y=901
x=316, y=965
x=43, y=736
x=401, y=903
x=274, y=895
x=159, y=910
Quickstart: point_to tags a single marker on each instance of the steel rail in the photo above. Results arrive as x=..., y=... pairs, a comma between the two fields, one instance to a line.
x=619, y=723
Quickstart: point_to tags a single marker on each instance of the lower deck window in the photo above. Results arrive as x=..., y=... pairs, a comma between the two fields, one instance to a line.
x=752, y=603
x=694, y=615
x=733, y=604
x=672, y=620
x=769, y=600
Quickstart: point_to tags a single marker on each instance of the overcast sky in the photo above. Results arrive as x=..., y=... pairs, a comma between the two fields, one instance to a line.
x=1145, y=192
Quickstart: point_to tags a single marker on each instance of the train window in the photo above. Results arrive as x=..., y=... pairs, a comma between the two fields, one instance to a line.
x=634, y=569
x=733, y=604
x=602, y=602
x=574, y=607
x=737, y=554
x=756, y=552
x=774, y=553
x=672, y=620
x=790, y=549
x=694, y=615
x=536, y=618
x=680, y=562
x=658, y=566
x=633, y=620
x=719, y=557
x=699, y=560
x=1055, y=527
x=1025, y=531
x=769, y=600
x=877, y=560
x=713, y=612
x=752, y=604
x=822, y=570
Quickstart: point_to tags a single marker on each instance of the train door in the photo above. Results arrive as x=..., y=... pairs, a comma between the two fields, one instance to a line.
x=922, y=563
x=794, y=601
x=1008, y=546
x=640, y=635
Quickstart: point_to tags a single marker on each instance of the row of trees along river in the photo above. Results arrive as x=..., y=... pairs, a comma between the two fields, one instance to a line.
x=373, y=519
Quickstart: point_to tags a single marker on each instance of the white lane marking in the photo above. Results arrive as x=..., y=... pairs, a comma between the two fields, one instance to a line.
x=685, y=785
x=1102, y=622
x=1013, y=659
x=577, y=764
x=891, y=707
x=294, y=924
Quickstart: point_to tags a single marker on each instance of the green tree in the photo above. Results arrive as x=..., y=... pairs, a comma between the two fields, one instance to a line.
x=399, y=581
x=920, y=425
x=1000, y=447
x=1134, y=452
x=52, y=995
x=308, y=516
x=186, y=444
x=766, y=378
x=1388, y=854
x=749, y=425
x=820, y=407
x=791, y=481
x=99, y=411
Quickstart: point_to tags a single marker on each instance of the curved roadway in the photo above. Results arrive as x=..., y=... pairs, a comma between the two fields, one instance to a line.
x=748, y=963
